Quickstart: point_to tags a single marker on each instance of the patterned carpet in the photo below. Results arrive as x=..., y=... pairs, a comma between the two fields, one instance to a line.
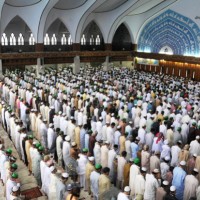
x=32, y=193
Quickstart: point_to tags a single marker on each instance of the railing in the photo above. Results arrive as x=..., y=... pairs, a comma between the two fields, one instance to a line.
x=18, y=48
x=88, y=47
x=122, y=47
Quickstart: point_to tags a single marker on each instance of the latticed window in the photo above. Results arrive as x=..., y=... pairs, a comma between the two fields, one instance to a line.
x=63, y=40
x=46, y=39
x=12, y=39
x=31, y=39
x=54, y=40
x=20, y=39
x=98, y=40
x=4, y=40
x=83, y=40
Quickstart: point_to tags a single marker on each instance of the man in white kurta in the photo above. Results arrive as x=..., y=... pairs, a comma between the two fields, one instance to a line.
x=191, y=185
x=134, y=171
x=195, y=147
x=124, y=195
x=97, y=153
x=111, y=156
x=66, y=150
x=94, y=180
x=82, y=161
x=151, y=185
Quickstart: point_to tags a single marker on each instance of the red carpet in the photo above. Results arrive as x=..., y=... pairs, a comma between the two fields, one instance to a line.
x=32, y=193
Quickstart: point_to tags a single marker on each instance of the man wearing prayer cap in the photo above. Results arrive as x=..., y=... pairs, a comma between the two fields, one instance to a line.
x=94, y=180
x=151, y=184
x=140, y=186
x=82, y=161
x=28, y=145
x=15, y=194
x=12, y=181
x=191, y=185
x=104, y=153
x=88, y=170
x=3, y=159
x=195, y=146
x=172, y=194
x=66, y=150
x=61, y=186
x=162, y=191
x=124, y=195
x=52, y=184
x=134, y=171
x=179, y=175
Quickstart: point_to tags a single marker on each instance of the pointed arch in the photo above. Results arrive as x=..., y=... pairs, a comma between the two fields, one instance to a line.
x=58, y=28
x=92, y=28
x=17, y=25
x=122, y=39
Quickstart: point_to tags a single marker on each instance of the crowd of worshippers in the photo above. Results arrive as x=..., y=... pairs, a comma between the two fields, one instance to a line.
x=136, y=131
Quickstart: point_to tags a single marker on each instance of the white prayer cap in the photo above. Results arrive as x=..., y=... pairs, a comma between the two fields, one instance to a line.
x=51, y=125
x=52, y=168
x=107, y=142
x=91, y=158
x=183, y=163
x=100, y=118
x=166, y=142
x=118, y=127
x=112, y=114
x=59, y=112
x=165, y=183
x=81, y=110
x=156, y=171
x=52, y=107
x=107, y=122
x=71, y=118
x=137, y=138
x=130, y=122
x=144, y=169
x=127, y=189
x=172, y=188
x=195, y=155
x=65, y=175
x=196, y=170
x=167, y=158
x=197, y=137
x=44, y=120
x=67, y=138
x=15, y=188
x=73, y=144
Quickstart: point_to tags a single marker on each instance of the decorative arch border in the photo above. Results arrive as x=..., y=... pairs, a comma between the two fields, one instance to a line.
x=170, y=29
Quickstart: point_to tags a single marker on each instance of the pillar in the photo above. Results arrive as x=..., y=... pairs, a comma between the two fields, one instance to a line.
x=106, y=64
x=76, y=66
x=39, y=66
x=1, y=68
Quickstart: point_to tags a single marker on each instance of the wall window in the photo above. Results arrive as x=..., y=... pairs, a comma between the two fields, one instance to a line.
x=4, y=40
x=54, y=40
x=46, y=39
x=98, y=40
x=70, y=40
x=63, y=40
x=12, y=39
x=31, y=40
x=83, y=40
x=20, y=39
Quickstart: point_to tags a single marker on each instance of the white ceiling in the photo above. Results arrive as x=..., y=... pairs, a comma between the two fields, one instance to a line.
x=110, y=5
x=69, y=4
x=21, y=3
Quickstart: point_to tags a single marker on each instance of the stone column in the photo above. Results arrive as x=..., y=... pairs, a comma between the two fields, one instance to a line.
x=39, y=66
x=106, y=64
x=1, y=68
x=76, y=65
